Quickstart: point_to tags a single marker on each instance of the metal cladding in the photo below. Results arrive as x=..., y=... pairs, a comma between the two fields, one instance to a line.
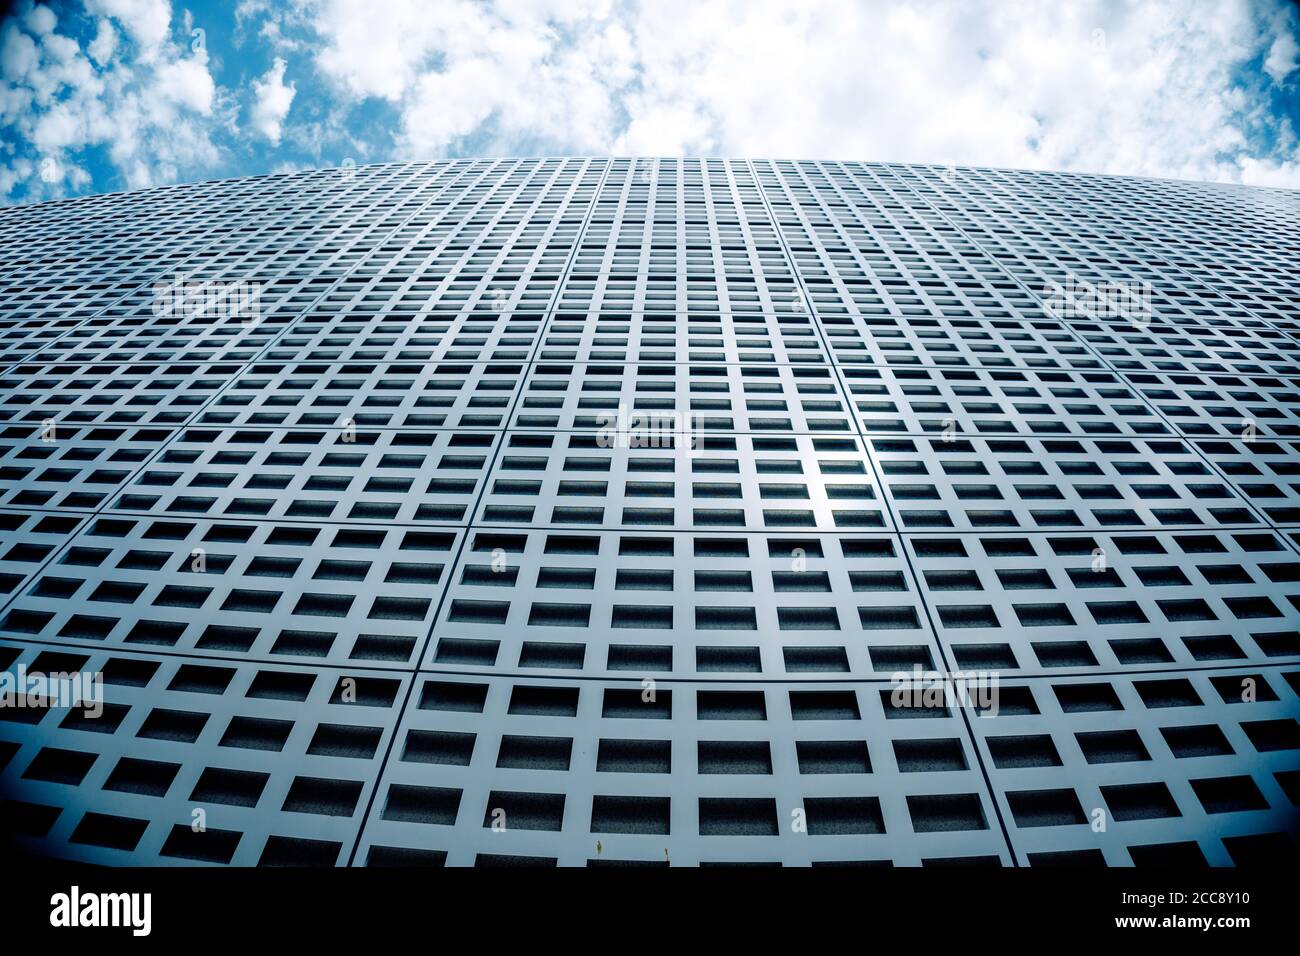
x=668, y=512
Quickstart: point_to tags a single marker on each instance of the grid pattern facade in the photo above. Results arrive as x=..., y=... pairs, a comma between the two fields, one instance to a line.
x=366, y=586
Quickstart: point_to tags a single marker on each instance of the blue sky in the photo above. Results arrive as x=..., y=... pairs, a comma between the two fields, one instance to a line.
x=105, y=95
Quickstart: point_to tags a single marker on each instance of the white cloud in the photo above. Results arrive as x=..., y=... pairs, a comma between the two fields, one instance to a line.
x=1153, y=95
x=18, y=54
x=1255, y=172
x=271, y=19
x=40, y=20
x=186, y=82
x=152, y=112
x=1176, y=88
x=272, y=101
x=545, y=70
x=146, y=21
x=13, y=173
x=375, y=52
x=101, y=48
x=1283, y=57
x=1149, y=89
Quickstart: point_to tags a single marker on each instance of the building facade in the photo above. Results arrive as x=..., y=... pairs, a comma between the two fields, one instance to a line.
x=591, y=511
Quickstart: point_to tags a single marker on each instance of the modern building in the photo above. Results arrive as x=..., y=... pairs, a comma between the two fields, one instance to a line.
x=591, y=511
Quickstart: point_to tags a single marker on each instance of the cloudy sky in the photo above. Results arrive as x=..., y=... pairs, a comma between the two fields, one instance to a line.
x=117, y=94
